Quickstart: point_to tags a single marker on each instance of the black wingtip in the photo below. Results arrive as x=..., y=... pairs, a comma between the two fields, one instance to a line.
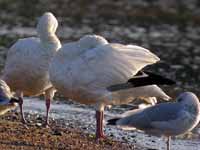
x=142, y=78
x=112, y=121
x=162, y=79
x=150, y=79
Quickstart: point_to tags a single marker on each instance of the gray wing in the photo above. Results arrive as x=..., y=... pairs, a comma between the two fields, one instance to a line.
x=143, y=120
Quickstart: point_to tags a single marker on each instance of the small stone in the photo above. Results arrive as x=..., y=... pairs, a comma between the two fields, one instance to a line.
x=57, y=133
x=38, y=124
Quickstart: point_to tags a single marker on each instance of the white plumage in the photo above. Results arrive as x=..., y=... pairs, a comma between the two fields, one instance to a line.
x=5, y=90
x=27, y=64
x=85, y=74
x=148, y=93
x=83, y=70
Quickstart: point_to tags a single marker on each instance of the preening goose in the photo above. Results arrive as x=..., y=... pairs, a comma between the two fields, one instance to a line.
x=27, y=64
x=83, y=70
x=169, y=119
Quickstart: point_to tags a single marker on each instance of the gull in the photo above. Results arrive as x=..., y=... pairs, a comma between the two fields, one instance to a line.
x=168, y=119
x=27, y=63
x=85, y=70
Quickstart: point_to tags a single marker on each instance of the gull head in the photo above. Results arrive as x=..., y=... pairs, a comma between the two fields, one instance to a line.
x=92, y=41
x=190, y=101
x=47, y=24
x=187, y=97
x=7, y=101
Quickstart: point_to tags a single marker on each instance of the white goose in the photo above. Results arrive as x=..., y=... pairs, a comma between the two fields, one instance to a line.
x=27, y=64
x=84, y=69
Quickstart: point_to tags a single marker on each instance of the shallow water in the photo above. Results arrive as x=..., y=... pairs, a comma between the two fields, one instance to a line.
x=84, y=118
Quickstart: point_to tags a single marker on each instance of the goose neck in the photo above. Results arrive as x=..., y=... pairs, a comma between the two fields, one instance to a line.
x=49, y=38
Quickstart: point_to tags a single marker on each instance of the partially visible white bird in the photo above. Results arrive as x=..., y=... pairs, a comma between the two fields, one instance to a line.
x=83, y=71
x=7, y=101
x=140, y=86
x=148, y=93
x=27, y=64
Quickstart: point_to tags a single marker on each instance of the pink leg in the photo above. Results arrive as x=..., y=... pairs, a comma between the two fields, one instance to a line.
x=99, y=125
x=48, y=103
x=21, y=110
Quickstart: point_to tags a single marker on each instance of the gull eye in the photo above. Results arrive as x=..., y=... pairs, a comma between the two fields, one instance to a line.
x=180, y=99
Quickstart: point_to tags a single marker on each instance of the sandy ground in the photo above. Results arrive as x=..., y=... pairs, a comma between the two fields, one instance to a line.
x=72, y=126
x=14, y=136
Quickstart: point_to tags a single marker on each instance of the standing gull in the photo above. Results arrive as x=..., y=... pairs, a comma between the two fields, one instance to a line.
x=169, y=119
x=83, y=70
x=27, y=64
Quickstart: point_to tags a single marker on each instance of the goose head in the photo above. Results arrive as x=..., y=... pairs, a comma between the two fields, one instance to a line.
x=92, y=41
x=7, y=101
x=47, y=24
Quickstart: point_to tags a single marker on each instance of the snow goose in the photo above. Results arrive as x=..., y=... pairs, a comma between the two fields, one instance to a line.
x=7, y=101
x=169, y=119
x=27, y=64
x=83, y=70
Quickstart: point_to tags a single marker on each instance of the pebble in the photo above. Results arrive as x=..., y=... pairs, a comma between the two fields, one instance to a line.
x=39, y=124
x=57, y=133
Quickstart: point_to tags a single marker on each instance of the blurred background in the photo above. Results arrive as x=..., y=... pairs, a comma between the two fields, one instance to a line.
x=169, y=28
